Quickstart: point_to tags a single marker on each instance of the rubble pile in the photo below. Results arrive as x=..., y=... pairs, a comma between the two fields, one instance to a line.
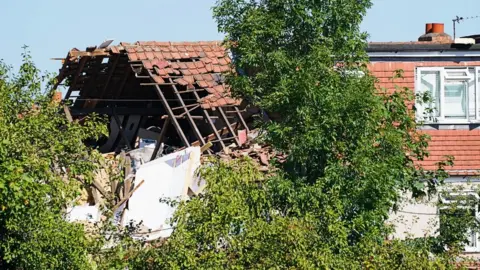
x=151, y=180
x=262, y=155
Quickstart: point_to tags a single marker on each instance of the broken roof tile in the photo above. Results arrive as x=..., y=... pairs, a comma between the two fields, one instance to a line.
x=206, y=60
x=115, y=49
x=202, y=84
x=209, y=67
x=217, y=69
x=193, y=54
x=206, y=48
x=160, y=63
x=199, y=64
x=210, y=54
x=189, y=79
x=132, y=57
x=207, y=77
x=194, y=71
x=147, y=64
x=219, y=88
x=230, y=100
x=198, y=77
x=213, y=59
x=212, y=83
x=181, y=81
x=210, y=90
x=222, y=102
x=185, y=72
x=224, y=69
x=149, y=55
x=141, y=56
x=161, y=71
x=222, y=61
x=165, y=49
x=158, y=79
x=181, y=48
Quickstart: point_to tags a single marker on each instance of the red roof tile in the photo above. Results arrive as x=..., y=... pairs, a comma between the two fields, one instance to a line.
x=193, y=65
x=463, y=145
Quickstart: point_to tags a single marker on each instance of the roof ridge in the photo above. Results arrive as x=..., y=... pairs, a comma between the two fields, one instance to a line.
x=173, y=43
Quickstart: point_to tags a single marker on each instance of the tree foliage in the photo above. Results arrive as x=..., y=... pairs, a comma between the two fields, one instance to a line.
x=351, y=152
x=43, y=164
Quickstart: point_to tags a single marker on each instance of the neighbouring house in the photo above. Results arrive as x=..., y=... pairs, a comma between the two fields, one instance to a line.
x=172, y=94
x=449, y=70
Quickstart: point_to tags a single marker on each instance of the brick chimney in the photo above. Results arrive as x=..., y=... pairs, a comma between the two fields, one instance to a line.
x=435, y=32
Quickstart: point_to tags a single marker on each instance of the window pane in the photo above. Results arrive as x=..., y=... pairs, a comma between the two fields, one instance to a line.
x=457, y=73
x=472, y=97
x=472, y=239
x=430, y=83
x=455, y=100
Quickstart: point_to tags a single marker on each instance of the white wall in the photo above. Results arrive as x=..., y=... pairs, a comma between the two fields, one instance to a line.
x=419, y=218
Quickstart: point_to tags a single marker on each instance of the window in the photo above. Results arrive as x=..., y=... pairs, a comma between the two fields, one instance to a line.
x=459, y=213
x=453, y=94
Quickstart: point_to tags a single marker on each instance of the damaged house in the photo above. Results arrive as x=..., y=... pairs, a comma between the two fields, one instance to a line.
x=167, y=102
x=171, y=93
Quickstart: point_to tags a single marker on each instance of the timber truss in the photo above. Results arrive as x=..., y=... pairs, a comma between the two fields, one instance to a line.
x=177, y=90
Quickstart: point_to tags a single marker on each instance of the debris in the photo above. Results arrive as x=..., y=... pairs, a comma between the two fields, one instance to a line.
x=242, y=136
x=83, y=213
x=128, y=196
x=206, y=147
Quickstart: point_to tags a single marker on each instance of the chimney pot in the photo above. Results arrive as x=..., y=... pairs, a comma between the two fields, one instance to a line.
x=438, y=28
x=428, y=28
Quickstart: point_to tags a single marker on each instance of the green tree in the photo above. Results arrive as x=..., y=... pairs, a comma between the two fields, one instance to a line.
x=351, y=152
x=43, y=165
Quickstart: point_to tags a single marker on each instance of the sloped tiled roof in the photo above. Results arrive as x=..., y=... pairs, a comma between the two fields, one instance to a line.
x=463, y=145
x=192, y=64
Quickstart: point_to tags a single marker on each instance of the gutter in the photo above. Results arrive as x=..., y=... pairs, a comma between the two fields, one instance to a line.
x=419, y=54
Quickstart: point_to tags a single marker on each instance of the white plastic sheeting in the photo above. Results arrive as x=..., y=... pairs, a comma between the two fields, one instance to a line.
x=168, y=177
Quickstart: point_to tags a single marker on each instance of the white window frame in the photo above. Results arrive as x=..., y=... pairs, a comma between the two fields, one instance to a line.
x=446, y=202
x=443, y=77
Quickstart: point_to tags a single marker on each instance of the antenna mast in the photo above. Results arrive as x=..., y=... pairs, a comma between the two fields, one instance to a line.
x=458, y=19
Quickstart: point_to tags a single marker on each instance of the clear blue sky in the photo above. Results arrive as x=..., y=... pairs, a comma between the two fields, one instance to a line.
x=51, y=27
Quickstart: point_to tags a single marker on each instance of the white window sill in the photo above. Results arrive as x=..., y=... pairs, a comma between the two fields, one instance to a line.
x=450, y=122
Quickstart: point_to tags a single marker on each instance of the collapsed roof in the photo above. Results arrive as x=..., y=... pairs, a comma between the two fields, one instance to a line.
x=156, y=85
